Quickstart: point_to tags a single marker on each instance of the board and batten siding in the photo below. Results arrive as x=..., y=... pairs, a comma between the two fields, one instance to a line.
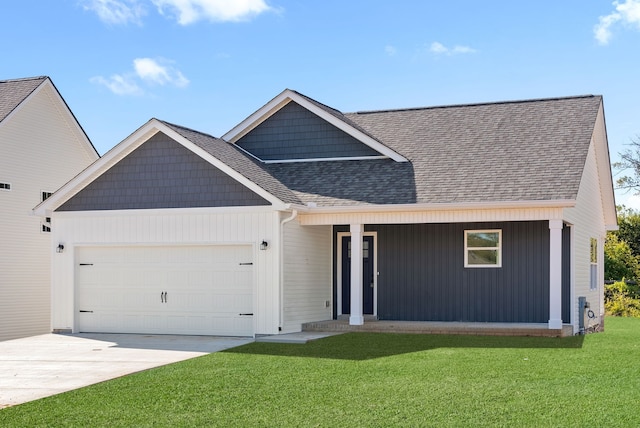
x=422, y=275
x=587, y=219
x=306, y=275
x=41, y=151
x=197, y=226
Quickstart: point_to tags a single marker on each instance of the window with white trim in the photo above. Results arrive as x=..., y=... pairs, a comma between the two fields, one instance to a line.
x=483, y=248
x=45, y=226
x=593, y=264
x=5, y=186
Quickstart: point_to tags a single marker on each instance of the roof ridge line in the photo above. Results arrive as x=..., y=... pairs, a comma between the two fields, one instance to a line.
x=488, y=103
x=23, y=79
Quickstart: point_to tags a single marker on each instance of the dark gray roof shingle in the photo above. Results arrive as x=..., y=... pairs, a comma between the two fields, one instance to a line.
x=239, y=161
x=532, y=150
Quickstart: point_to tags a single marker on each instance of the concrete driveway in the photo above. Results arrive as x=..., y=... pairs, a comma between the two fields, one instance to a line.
x=40, y=366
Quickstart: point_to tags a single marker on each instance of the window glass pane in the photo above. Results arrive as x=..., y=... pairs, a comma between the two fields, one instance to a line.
x=483, y=239
x=483, y=257
x=594, y=250
x=594, y=277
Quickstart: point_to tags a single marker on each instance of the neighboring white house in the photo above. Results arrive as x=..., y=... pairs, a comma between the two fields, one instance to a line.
x=43, y=147
x=485, y=213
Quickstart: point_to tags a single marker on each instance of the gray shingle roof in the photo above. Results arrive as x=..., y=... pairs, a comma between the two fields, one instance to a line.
x=242, y=163
x=532, y=150
x=14, y=91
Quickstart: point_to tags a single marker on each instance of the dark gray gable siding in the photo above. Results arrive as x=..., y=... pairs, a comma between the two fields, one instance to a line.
x=294, y=132
x=162, y=173
x=423, y=278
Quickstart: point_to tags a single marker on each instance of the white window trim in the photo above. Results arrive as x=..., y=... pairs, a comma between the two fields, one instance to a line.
x=594, y=286
x=498, y=248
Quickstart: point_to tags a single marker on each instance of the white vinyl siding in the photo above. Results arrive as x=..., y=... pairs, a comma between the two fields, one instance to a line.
x=587, y=219
x=37, y=140
x=306, y=275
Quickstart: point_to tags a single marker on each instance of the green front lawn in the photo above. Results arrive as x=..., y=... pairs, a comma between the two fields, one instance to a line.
x=367, y=380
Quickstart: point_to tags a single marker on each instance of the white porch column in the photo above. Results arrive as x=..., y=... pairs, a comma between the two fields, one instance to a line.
x=555, y=274
x=356, y=317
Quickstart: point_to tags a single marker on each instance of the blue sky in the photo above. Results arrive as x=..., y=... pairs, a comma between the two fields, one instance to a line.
x=207, y=64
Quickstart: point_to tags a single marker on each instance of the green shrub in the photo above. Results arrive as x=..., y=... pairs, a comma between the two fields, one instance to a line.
x=622, y=299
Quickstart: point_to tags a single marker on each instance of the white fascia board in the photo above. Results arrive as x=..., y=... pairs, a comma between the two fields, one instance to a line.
x=560, y=203
x=603, y=162
x=97, y=168
x=322, y=159
x=283, y=99
x=64, y=109
x=167, y=211
x=21, y=104
x=128, y=145
x=222, y=166
x=73, y=122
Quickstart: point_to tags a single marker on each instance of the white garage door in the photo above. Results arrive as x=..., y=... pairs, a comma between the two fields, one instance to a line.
x=198, y=290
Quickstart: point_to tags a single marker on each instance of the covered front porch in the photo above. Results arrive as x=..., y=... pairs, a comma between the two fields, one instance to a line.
x=416, y=273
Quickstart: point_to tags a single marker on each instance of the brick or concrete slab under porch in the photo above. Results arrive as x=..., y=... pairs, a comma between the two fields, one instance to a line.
x=434, y=327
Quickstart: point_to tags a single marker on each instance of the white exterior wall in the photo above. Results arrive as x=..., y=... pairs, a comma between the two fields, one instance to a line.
x=175, y=227
x=306, y=275
x=587, y=218
x=41, y=151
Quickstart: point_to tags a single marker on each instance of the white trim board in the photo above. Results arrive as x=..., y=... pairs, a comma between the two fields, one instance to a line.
x=338, y=261
x=287, y=96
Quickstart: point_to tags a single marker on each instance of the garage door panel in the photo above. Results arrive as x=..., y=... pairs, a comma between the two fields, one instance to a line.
x=165, y=290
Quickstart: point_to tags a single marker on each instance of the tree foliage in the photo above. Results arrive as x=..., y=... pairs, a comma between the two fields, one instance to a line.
x=630, y=164
x=619, y=260
x=622, y=299
x=629, y=229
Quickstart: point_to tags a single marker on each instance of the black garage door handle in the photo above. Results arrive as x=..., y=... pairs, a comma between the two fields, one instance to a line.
x=245, y=314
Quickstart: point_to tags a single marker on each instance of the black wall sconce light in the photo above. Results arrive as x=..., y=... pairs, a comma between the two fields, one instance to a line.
x=264, y=245
x=60, y=248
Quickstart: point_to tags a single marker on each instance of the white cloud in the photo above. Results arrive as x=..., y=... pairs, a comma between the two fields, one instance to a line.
x=390, y=50
x=116, y=11
x=118, y=84
x=146, y=70
x=628, y=13
x=151, y=70
x=190, y=11
x=440, y=49
x=628, y=200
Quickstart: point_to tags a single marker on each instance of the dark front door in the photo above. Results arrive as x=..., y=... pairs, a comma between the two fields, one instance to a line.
x=367, y=275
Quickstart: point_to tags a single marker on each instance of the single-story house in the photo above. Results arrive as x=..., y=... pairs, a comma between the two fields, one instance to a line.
x=43, y=146
x=493, y=212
